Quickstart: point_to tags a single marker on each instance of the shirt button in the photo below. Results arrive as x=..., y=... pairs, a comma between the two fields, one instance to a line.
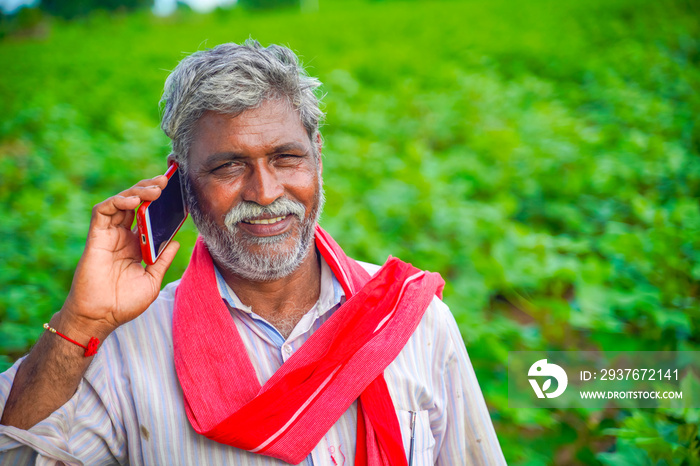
x=287, y=349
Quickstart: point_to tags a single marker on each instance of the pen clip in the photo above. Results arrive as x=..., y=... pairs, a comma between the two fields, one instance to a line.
x=413, y=437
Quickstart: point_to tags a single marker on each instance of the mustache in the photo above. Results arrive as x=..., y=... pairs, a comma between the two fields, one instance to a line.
x=247, y=210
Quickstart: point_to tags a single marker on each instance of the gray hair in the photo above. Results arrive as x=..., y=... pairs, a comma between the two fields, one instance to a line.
x=232, y=78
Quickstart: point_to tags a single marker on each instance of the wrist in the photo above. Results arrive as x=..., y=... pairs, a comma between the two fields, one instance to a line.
x=79, y=328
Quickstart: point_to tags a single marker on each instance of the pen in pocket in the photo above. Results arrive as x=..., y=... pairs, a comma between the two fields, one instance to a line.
x=413, y=438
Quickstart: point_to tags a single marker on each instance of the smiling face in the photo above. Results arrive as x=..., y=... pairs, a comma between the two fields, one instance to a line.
x=255, y=189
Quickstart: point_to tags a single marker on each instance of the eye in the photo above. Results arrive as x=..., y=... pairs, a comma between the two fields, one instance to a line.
x=288, y=159
x=227, y=165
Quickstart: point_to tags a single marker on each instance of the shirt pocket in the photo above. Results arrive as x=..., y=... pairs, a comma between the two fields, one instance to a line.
x=423, y=442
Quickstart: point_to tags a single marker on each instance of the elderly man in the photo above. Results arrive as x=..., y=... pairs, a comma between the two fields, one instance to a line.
x=274, y=347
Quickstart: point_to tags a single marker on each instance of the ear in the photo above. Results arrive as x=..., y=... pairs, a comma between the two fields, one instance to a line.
x=319, y=148
x=171, y=159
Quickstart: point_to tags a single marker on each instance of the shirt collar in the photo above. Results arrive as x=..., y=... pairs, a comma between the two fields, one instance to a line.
x=332, y=292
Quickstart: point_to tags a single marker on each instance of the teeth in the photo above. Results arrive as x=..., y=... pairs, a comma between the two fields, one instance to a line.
x=265, y=221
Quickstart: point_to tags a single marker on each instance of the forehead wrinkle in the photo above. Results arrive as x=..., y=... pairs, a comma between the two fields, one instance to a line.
x=273, y=128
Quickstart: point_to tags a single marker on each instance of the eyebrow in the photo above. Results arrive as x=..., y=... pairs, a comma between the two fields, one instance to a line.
x=230, y=155
x=290, y=146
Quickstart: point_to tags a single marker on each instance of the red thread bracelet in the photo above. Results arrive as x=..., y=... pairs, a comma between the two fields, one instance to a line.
x=90, y=349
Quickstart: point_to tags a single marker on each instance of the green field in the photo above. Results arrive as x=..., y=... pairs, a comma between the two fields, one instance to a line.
x=543, y=156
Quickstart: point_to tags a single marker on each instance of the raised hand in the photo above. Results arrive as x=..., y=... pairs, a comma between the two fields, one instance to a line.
x=111, y=286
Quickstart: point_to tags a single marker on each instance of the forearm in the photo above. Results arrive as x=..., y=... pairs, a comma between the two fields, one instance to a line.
x=110, y=287
x=47, y=378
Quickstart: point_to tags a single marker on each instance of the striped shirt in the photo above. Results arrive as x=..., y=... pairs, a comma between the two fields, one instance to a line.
x=129, y=408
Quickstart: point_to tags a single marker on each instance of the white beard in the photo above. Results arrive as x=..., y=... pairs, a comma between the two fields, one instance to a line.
x=230, y=247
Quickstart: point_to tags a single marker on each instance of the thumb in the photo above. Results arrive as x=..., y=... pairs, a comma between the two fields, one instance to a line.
x=157, y=270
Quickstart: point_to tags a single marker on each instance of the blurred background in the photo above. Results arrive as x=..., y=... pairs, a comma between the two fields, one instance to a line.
x=543, y=156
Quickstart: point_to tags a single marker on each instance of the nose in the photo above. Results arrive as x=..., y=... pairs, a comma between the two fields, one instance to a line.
x=262, y=184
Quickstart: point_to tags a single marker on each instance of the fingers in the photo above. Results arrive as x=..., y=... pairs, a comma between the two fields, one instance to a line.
x=118, y=210
x=160, y=180
x=146, y=187
x=103, y=212
x=157, y=270
x=128, y=219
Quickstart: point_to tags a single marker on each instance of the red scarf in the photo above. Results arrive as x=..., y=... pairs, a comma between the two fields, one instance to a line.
x=341, y=362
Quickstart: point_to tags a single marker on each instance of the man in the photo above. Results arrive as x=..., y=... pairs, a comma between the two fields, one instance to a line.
x=274, y=347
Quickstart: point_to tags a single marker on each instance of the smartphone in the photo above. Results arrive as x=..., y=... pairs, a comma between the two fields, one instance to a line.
x=159, y=220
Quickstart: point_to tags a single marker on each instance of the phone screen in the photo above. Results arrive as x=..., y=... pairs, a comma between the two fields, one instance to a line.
x=166, y=214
